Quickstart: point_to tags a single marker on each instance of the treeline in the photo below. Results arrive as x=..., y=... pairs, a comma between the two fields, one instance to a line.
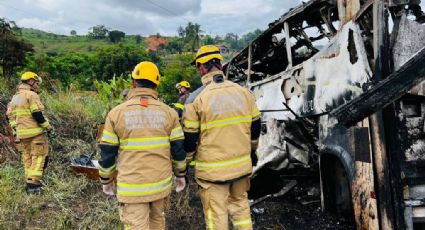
x=105, y=63
x=192, y=36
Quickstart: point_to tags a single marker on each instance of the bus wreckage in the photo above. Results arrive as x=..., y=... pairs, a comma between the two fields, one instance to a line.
x=341, y=84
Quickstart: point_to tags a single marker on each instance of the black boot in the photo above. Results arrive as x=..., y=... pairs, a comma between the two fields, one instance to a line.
x=34, y=189
x=27, y=187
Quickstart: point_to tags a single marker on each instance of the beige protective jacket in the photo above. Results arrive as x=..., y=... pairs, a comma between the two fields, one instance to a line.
x=20, y=112
x=143, y=141
x=222, y=115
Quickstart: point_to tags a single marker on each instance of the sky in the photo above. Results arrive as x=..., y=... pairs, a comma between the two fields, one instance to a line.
x=145, y=17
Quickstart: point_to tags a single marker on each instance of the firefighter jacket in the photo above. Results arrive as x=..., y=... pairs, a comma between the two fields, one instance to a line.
x=221, y=113
x=183, y=96
x=25, y=113
x=179, y=106
x=142, y=143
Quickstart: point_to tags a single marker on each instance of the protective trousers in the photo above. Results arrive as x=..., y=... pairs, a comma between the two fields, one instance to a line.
x=143, y=216
x=34, y=151
x=220, y=200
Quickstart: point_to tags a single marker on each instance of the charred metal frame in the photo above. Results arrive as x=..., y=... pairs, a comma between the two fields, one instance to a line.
x=267, y=57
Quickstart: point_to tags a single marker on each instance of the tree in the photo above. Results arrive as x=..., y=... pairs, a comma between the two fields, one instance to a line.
x=115, y=36
x=195, y=33
x=218, y=39
x=177, y=70
x=138, y=39
x=249, y=37
x=118, y=60
x=73, y=32
x=98, y=32
x=191, y=35
x=232, y=40
x=175, y=46
x=208, y=40
x=181, y=32
x=13, y=50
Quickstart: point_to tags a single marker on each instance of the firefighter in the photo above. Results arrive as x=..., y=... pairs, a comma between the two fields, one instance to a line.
x=141, y=146
x=221, y=124
x=30, y=127
x=183, y=88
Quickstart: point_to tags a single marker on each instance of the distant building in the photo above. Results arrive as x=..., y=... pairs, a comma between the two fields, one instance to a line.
x=153, y=42
x=223, y=49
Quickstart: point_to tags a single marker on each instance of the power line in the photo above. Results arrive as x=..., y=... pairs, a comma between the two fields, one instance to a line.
x=168, y=10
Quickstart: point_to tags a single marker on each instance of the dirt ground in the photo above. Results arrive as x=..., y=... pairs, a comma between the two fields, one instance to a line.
x=298, y=209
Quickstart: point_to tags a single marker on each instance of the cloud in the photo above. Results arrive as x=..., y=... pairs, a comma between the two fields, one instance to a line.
x=239, y=16
x=159, y=7
x=145, y=17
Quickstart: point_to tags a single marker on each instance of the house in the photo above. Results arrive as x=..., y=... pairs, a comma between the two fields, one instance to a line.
x=153, y=42
x=223, y=49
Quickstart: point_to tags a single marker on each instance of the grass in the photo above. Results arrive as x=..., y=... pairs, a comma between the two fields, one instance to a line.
x=68, y=202
x=74, y=202
x=75, y=116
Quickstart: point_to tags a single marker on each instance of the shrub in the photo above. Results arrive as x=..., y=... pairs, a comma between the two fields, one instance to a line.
x=74, y=114
x=111, y=91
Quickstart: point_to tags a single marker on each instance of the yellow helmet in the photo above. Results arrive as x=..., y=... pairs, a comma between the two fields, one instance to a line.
x=206, y=53
x=30, y=75
x=183, y=84
x=146, y=70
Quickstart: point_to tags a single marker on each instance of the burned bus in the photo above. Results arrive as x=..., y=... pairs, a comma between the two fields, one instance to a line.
x=340, y=84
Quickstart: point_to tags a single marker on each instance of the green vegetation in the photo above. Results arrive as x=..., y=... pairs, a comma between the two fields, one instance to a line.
x=53, y=44
x=68, y=202
x=177, y=68
x=79, y=61
x=12, y=48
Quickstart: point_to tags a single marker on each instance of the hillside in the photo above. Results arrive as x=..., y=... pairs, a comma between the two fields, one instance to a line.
x=55, y=44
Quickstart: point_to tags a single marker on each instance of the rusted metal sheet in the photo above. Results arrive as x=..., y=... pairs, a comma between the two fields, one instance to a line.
x=364, y=198
x=363, y=188
x=381, y=170
x=91, y=173
x=377, y=132
x=347, y=9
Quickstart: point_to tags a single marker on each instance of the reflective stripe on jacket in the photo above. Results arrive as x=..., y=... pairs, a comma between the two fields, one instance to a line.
x=222, y=113
x=144, y=135
x=19, y=112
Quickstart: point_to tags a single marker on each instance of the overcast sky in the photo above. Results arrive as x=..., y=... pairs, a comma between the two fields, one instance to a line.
x=145, y=17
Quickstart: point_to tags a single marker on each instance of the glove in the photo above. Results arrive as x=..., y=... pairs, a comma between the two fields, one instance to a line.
x=180, y=183
x=254, y=157
x=52, y=133
x=109, y=189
